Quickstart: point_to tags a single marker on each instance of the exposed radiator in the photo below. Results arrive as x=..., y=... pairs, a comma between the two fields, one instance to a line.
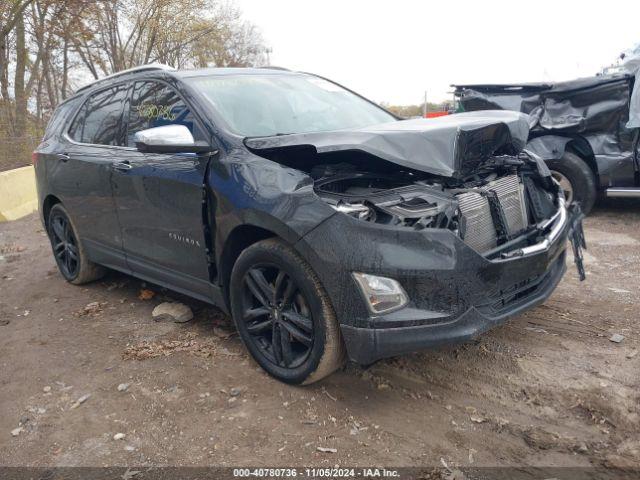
x=480, y=231
x=511, y=195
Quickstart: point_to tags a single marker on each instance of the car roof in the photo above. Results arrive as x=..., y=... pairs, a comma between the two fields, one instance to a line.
x=216, y=71
x=147, y=70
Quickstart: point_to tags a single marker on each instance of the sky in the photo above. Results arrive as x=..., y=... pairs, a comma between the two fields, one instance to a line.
x=394, y=50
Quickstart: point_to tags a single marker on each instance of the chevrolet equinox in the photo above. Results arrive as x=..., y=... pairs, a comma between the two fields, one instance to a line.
x=327, y=227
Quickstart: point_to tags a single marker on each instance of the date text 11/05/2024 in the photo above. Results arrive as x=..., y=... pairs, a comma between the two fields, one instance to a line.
x=316, y=472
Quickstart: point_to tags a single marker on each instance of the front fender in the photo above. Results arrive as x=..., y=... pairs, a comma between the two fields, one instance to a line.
x=548, y=147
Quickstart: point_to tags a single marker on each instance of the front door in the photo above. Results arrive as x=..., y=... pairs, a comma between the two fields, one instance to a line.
x=159, y=197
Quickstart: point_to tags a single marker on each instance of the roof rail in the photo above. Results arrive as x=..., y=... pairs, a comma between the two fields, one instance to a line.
x=141, y=68
x=274, y=67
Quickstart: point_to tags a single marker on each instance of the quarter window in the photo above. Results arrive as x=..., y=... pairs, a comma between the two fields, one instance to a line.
x=99, y=121
x=153, y=105
x=59, y=116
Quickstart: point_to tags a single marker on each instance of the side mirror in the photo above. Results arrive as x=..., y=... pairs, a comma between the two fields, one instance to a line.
x=168, y=139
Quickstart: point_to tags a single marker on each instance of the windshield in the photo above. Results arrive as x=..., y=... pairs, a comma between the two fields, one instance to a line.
x=265, y=105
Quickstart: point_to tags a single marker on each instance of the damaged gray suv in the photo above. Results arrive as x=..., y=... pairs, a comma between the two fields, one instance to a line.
x=328, y=228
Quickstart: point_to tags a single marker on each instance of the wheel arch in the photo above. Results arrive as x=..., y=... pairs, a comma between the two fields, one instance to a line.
x=47, y=204
x=581, y=147
x=553, y=147
x=239, y=239
x=251, y=227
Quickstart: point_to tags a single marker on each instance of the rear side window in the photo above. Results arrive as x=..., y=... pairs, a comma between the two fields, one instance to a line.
x=154, y=104
x=59, y=117
x=99, y=121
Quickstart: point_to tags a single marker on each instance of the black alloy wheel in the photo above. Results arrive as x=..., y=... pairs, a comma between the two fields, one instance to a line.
x=277, y=316
x=70, y=256
x=65, y=246
x=283, y=314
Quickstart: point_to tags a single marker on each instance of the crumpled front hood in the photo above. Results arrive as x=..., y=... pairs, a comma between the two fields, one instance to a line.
x=449, y=146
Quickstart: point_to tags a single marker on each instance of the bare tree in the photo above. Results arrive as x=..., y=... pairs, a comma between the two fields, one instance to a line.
x=11, y=18
x=11, y=34
x=119, y=34
x=233, y=42
x=49, y=47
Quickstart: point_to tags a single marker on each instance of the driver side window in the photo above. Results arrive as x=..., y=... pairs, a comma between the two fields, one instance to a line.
x=154, y=104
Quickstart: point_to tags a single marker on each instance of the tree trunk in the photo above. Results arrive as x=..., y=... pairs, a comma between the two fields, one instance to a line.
x=18, y=85
x=4, y=74
x=6, y=107
x=65, y=68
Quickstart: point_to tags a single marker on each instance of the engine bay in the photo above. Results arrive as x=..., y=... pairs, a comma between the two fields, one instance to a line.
x=497, y=208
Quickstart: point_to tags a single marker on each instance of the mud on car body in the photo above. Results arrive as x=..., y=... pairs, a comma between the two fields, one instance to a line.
x=324, y=225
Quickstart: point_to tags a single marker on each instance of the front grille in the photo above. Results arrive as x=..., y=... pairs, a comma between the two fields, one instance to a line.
x=480, y=230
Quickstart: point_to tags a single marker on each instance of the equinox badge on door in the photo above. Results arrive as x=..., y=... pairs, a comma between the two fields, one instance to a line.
x=183, y=239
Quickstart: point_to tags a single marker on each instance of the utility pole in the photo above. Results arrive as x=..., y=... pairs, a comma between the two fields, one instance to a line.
x=424, y=107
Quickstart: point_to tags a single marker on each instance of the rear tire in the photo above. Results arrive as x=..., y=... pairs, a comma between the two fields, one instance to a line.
x=581, y=178
x=283, y=314
x=69, y=254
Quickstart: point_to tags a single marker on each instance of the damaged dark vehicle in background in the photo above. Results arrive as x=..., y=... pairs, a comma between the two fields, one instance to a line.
x=325, y=226
x=587, y=130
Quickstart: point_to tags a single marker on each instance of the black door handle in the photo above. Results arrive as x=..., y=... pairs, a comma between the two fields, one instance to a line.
x=122, y=166
x=63, y=157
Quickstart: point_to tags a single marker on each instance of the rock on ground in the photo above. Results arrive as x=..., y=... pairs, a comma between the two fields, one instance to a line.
x=172, y=311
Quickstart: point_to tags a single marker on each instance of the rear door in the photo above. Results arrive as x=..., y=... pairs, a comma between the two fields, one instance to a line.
x=159, y=197
x=83, y=171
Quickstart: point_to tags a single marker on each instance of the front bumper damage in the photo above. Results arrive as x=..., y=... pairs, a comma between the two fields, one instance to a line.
x=455, y=293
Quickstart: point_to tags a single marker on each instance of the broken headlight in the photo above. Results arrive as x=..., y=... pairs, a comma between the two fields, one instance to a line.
x=357, y=210
x=396, y=200
x=414, y=206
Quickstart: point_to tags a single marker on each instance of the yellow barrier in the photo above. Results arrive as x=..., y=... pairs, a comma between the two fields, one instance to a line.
x=18, y=195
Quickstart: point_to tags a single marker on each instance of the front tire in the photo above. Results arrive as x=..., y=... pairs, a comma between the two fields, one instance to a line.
x=576, y=179
x=68, y=251
x=284, y=315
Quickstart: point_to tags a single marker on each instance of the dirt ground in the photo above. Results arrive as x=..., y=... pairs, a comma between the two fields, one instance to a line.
x=548, y=388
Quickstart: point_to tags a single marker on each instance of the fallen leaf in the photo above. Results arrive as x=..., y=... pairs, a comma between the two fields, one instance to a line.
x=146, y=294
x=145, y=349
x=93, y=308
